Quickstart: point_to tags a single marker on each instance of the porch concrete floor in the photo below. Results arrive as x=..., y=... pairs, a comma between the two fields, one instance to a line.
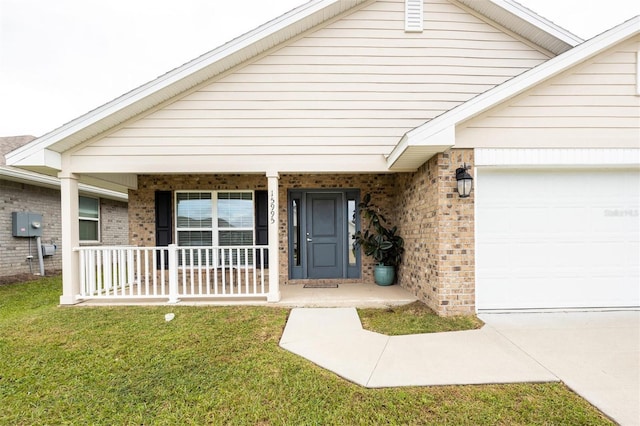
x=345, y=295
x=293, y=296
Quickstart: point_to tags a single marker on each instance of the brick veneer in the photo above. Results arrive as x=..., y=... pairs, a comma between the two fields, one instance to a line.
x=438, y=228
x=21, y=197
x=142, y=211
x=437, y=225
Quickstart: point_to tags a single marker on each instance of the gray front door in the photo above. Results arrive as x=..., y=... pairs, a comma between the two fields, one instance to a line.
x=325, y=235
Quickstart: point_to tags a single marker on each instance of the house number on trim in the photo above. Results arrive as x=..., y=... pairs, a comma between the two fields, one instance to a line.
x=272, y=208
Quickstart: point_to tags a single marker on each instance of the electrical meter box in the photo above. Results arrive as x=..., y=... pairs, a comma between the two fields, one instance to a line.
x=26, y=224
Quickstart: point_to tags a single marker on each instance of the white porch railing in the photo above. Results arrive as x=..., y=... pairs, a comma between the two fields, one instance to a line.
x=172, y=272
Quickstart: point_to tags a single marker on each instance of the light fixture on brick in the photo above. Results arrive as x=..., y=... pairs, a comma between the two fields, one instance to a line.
x=465, y=181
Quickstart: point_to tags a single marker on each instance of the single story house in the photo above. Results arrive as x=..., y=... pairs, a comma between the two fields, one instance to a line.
x=245, y=166
x=102, y=217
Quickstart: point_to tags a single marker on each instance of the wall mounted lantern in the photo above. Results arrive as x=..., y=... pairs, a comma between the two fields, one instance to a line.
x=465, y=181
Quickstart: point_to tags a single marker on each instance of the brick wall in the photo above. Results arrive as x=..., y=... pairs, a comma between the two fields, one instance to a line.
x=20, y=197
x=436, y=224
x=142, y=210
x=438, y=228
x=114, y=222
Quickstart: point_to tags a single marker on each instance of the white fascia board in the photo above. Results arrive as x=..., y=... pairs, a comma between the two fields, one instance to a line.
x=442, y=139
x=544, y=24
x=102, y=192
x=517, y=85
x=35, y=158
x=182, y=73
x=32, y=178
x=608, y=157
x=525, y=23
x=37, y=179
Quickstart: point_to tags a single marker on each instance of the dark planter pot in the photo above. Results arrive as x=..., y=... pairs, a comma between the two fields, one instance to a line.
x=384, y=275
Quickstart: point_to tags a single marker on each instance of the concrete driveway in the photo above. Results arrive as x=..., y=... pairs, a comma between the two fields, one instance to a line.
x=597, y=354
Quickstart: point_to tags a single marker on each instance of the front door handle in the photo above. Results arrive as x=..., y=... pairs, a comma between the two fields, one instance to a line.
x=309, y=239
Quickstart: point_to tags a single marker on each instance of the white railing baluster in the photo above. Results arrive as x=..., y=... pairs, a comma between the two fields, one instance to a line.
x=162, y=269
x=254, y=282
x=115, y=272
x=130, y=271
x=223, y=270
x=207, y=271
x=99, y=272
x=173, y=273
x=216, y=264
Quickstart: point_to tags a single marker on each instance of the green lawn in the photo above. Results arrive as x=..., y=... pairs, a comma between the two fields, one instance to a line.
x=213, y=365
x=414, y=318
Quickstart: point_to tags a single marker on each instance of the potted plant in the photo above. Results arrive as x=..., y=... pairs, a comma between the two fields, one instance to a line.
x=382, y=243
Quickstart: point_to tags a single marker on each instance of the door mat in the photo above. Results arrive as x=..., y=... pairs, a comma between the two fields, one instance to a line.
x=320, y=286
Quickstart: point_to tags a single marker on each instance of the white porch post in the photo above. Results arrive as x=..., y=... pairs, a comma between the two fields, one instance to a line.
x=274, y=251
x=70, y=238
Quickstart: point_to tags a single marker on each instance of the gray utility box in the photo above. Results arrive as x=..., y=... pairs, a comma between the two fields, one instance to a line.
x=48, y=249
x=26, y=224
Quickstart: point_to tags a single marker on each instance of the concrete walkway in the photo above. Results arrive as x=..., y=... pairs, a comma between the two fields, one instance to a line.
x=510, y=348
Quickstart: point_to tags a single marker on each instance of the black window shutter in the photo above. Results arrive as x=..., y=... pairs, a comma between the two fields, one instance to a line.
x=163, y=221
x=262, y=222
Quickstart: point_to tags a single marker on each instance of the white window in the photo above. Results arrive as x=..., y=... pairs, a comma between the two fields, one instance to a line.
x=215, y=218
x=89, y=214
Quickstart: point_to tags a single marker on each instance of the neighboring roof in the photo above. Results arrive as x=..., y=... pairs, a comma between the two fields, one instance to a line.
x=421, y=143
x=43, y=154
x=10, y=143
x=15, y=174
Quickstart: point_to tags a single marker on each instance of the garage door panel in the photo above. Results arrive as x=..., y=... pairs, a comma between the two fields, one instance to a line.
x=557, y=238
x=497, y=220
x=558, y=293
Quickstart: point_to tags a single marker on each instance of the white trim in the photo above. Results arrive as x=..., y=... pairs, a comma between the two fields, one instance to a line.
x=556, y=157
x=638, y=73
x=476, y=187
x=214, y=228
x=90, y=219
x=37, y=179
x=529, y=16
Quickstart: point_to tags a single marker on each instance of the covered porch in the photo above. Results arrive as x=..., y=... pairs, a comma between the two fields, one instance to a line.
x=130, y=275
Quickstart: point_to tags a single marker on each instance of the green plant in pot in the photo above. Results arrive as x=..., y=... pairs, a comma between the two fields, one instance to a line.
x=382, y=243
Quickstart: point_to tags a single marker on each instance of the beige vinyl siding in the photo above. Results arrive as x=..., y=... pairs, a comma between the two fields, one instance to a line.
x=594, y=105
x=350, y=89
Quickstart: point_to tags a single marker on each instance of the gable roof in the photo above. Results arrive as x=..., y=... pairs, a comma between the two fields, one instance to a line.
x=525, y=22
x=421, y=143
x=43, y=154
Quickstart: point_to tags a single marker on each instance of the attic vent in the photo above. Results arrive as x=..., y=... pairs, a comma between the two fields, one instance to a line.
x=413, y=16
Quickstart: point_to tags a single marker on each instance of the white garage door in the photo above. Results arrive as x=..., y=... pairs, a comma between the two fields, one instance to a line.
x=557, y=238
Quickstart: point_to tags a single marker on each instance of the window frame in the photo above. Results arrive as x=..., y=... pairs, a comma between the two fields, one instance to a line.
x=215, y=229
x=89, y=219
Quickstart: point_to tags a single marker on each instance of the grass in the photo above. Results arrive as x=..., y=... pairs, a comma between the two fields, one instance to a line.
x=215, y=365
x=414, y=318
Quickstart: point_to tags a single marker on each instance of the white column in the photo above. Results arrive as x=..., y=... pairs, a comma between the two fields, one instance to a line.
x=70, y=238
x=274, y=224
